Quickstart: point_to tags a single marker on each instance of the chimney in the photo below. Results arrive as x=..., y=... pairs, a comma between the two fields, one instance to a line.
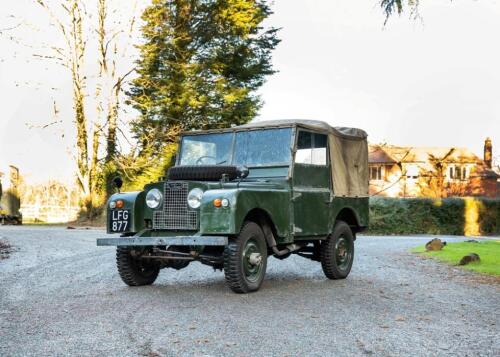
x=488, y=153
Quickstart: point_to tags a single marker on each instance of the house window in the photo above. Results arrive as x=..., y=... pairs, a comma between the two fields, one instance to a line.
x=412, y=172
x=376, y=173
x=458, y=173
x=311, y=149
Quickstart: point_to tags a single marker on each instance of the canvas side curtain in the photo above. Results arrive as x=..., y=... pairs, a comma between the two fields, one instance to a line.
x=349, y=159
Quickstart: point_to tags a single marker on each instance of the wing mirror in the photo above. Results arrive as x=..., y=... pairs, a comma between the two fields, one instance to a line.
x=118, y=182
x=242, y=172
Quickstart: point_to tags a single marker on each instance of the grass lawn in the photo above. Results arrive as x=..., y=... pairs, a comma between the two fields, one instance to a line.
x=488, y=251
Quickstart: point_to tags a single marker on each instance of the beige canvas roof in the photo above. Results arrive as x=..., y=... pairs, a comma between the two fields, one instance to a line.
x=349, y=133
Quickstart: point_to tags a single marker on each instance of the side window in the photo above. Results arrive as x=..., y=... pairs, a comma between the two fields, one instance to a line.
x=311, y=149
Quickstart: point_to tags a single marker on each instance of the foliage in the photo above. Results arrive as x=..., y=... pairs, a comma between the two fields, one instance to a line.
x=392, y=7
x=488, y=251
x=433, y=182
x=200, y=65
x=452, y=216
x=138, y=171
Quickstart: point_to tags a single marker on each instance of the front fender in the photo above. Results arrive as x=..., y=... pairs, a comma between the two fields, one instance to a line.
x=229, y=220
x=133, y=201
x=216, y=220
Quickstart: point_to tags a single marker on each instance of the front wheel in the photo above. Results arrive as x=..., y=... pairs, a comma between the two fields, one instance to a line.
x=133, y=271
x=337, y=252
x=245, y=259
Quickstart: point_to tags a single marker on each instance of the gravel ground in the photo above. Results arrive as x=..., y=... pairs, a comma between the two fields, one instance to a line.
x=61, y=295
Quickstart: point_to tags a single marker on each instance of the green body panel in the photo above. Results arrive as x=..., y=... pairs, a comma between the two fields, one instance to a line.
x=311, y=212
x=271, y=198
x=311, y=200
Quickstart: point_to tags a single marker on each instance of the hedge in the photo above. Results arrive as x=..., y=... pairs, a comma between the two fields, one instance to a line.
x=449, y=216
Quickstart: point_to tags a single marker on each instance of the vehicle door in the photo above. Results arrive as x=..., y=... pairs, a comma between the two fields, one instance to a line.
x=311, y=184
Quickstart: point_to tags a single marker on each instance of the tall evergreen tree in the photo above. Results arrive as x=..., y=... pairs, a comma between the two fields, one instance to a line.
x=200, y=65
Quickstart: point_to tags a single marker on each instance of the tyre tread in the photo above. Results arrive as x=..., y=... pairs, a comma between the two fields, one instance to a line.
x=128, y=273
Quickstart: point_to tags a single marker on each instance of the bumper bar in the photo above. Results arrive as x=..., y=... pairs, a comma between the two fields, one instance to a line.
x=153, y=241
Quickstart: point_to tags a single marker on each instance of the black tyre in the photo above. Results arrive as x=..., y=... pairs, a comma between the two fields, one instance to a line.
x=337, y=252
x=245, y=259
x=133, y=271
x=202, y=172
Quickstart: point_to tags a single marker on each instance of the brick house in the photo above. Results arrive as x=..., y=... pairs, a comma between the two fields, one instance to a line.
x=397, y=171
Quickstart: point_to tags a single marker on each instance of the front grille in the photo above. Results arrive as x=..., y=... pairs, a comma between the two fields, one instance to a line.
x=176, y=213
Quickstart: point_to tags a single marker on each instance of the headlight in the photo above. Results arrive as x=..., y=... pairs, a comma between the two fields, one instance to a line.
x=154, y=198
x=194, y=198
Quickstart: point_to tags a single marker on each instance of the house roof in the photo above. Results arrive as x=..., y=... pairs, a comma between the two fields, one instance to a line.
x=401, y=154
x=390, y=154
x=377, y=155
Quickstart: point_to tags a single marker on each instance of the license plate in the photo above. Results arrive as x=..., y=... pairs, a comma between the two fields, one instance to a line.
x=119, y=220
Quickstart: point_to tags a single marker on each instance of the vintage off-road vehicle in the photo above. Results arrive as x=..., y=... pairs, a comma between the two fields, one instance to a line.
x=239, y=195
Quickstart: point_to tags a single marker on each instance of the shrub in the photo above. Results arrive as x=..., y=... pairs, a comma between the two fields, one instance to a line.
x=450, y=216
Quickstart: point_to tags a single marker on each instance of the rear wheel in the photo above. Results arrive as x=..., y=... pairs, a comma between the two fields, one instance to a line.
x=337, y=252
x=133, y=271
x=245, y=259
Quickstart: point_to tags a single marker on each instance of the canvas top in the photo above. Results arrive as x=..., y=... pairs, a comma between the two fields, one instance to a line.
x=348, y=133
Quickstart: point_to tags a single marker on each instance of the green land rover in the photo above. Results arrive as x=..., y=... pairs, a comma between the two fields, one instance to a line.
x=239, y=195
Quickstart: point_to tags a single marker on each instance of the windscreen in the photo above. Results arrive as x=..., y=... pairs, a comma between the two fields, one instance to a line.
x=208, y=149
x=250, y=148
x=262, y=147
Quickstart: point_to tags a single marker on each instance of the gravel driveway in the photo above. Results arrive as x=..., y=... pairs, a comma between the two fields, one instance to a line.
x=61, y=295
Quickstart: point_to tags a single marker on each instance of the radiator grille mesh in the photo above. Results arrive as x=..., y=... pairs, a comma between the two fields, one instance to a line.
x=176, y=213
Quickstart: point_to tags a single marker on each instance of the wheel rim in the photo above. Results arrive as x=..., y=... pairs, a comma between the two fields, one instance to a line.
x=343, y=253
x=253, y=260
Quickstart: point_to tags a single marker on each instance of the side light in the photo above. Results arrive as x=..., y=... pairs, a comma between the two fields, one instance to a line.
x=217, y=202
x=112, y=204
x=225, y=202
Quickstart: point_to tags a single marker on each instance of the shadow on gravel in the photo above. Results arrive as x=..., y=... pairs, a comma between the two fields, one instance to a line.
x=5, y=249
x=216, y=286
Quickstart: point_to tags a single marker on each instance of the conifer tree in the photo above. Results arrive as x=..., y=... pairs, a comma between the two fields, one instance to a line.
x=201, y=62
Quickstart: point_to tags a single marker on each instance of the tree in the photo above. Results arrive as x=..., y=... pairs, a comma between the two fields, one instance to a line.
x=72, y=57
x=434, y=183
x=98, y=125
x=391, y=7
x=200, y=65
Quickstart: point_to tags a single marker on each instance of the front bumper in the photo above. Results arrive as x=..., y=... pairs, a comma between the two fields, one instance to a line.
x=155, y=241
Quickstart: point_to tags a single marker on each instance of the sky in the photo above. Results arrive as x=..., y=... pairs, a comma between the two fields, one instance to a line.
x=433, y=81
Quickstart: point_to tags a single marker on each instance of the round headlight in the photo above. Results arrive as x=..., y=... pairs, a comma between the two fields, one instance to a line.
x=154, y=198
x=194, y=198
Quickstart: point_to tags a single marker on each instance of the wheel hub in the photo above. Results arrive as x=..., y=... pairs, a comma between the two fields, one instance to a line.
x=255, y=258
x=343, y=253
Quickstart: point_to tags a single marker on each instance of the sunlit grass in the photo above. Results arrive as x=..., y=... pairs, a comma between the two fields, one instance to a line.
x=488, y=251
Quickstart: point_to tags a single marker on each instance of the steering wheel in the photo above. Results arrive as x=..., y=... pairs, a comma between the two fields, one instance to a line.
x=201, y=158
